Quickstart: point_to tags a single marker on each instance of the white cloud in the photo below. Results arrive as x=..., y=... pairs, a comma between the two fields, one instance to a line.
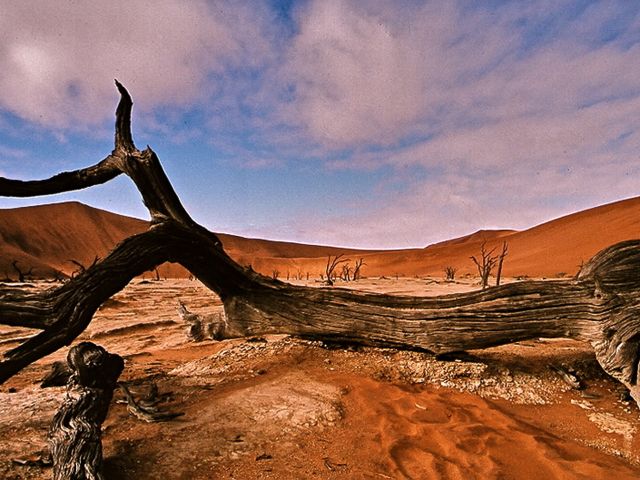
x=62, y=56
x=13, y=153
x=377, y=74
x=457, y=202
x=374, y=72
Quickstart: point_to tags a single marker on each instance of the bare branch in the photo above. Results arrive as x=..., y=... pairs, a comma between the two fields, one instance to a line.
x=485, y=263
x=356, y=269
x=450, y=272
x=62, y=182
x=505, y=250
x=123, y=138
x=331, y=267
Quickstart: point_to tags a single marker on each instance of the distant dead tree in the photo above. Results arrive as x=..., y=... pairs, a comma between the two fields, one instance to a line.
x=81, y=268
x=450, y=273
x=331, y=267
x=58, y=276
x=345, y=274
x=485, y=263
x=21, y=274
x=503, y=253
x=275, y=274
x=356, y=269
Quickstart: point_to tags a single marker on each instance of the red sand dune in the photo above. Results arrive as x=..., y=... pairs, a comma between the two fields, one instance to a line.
x=556, y=247
x=47, y=237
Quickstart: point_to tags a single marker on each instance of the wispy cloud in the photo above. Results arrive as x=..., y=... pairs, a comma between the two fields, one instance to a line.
x=515, y=114
x=63, y=56
x=12, y=153
x=491, y=113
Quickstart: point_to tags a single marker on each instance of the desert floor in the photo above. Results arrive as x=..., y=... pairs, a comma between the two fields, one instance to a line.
x=283, y=408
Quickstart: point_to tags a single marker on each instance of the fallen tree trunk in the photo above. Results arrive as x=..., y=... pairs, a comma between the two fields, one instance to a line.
x=599, y=306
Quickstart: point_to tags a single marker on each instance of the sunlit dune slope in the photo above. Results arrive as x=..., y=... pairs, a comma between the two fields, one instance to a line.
x=46, y=238
x=553, y=248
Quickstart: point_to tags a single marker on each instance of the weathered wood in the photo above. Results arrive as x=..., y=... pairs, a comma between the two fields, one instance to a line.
x=75, y=438
x=146, y=413
x=600, y=306
x=201, y=327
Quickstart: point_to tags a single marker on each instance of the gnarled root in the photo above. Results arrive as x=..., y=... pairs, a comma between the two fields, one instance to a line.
x=75, y=437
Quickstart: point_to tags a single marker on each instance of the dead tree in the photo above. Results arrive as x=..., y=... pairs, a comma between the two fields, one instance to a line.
x=21, y=275
x=356, y=269
x=58, y=276
x=345, y=275
x=601, y=305
x=330, y=269
x=503, y=253
x=485, y=263
x=450, y=273
x=75, y=437
x=275, y=274
x=81, y=268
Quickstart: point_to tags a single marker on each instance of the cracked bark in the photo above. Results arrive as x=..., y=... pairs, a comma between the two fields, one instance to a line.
x=600, y=305
x=75, y=436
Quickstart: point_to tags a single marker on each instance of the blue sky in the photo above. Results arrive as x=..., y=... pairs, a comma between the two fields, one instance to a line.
x=356, y=123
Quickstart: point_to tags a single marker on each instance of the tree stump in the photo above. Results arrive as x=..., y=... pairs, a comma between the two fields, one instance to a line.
x=75, y=437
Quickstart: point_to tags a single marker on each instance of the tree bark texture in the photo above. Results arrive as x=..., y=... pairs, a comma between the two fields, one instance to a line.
x=75, y=437
x=600, y=305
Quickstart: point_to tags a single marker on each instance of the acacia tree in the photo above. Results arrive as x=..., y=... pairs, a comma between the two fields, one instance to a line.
x=330, y=268
x=356, y=269
x=450, y=273
x=601, y=305
x=485, y=263
x=346, y=272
